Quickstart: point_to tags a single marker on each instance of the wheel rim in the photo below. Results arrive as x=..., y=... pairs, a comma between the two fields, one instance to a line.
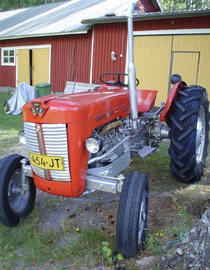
x=17, y=199
x=142, y=218
x=200, y=135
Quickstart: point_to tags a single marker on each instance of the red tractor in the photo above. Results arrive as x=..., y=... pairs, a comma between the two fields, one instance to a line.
x=82, y=142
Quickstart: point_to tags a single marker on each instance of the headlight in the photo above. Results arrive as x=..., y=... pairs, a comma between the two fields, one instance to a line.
x=94, y=144
x=21, y=137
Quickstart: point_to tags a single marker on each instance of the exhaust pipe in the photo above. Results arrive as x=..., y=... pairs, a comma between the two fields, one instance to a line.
x=132, y=70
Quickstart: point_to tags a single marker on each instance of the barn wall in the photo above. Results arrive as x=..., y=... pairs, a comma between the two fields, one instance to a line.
x=7, y=75
x=177, y=23
x=108, y=38
x=63, y=66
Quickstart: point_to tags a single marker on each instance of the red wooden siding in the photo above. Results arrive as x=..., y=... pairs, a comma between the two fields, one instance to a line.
x=7, y=75
x=146, y=5
x=61, y=54
x=108, y=38
x=177, y=23
x=61, y=67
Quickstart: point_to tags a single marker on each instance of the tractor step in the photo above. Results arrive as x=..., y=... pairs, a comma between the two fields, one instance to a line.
x=146, y=150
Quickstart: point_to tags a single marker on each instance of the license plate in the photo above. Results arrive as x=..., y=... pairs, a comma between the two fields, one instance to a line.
x=47, y=162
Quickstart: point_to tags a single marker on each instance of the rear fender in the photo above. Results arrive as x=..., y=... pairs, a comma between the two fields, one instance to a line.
x=164, y=116
x=146, y=100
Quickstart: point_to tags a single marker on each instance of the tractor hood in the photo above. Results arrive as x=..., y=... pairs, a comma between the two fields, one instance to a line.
x=75, y=107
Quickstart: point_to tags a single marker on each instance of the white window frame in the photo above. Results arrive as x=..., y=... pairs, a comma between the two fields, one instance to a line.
x=2, y=56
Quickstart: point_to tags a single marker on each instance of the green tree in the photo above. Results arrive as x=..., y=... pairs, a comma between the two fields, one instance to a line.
x=184, y=4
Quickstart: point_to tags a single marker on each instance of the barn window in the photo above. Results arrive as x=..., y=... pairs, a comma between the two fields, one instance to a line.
x=8, y=57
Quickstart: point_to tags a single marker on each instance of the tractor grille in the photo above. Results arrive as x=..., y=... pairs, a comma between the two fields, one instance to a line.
x=54, y=140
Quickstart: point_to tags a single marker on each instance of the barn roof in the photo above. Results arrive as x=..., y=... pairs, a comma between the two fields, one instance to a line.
x=142, y=16
x=60, y=18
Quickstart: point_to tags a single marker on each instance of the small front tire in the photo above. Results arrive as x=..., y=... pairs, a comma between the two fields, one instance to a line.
x=132, y=215
x=14, y=202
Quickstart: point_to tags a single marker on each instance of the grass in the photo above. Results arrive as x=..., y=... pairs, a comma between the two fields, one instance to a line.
x=167, y=237
x=157, y=168
x=152, y=162
x=153, y=243
x=24, y=243
x=185, y=223
x=88, y=244
x=9, y=122
x=27, y=244
x=10, y=125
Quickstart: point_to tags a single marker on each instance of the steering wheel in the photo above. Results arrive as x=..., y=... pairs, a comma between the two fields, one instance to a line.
x=118, y=82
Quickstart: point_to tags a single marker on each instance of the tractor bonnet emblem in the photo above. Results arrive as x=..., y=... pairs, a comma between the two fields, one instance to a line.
x=36, y=109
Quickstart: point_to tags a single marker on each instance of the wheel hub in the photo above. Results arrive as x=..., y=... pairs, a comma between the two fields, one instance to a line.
x=142, y=218
x=14, y=190
x=200, y=135
x=17, y=197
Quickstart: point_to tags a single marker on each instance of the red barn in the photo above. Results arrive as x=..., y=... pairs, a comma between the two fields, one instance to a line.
x=73, y=40
x=48, y=43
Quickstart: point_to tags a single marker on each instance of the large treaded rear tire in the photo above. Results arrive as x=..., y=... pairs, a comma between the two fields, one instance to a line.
x=132, y=214
x=14, y=204
x=189, y=133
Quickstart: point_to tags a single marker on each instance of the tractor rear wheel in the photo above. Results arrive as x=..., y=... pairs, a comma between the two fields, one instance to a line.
x=189, y=133
x=132, y=214
x=15, y=203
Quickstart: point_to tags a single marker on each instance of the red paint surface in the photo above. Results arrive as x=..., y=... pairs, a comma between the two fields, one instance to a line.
x=108, y=38
x=146, y=100
x=172, y=96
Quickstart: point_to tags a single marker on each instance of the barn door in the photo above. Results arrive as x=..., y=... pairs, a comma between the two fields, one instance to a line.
x=187, y=65
x=152, y=60
x=23, y=73
x=40, y=66
x=33, y=66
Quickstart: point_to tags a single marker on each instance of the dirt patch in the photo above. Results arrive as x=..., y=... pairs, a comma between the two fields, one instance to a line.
x=96, y=210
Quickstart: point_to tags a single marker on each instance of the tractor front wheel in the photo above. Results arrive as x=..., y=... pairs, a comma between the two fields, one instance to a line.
x=132, y=214
x=15, y=201
x=189, y=133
